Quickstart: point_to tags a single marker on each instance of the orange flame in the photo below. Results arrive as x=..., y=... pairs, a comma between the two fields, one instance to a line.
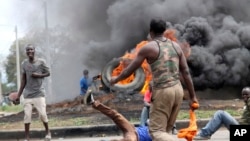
x=123, y=64
x=128, y=57
x=170, y=34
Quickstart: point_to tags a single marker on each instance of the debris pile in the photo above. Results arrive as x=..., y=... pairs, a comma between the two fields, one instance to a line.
x=116, y=101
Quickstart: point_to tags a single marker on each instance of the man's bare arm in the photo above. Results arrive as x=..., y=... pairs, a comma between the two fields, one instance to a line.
x=135, y=64
x=40, y=75
x=23, y=83
x=186, y=75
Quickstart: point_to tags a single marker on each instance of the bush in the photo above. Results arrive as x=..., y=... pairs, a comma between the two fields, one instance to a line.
x=11, y=108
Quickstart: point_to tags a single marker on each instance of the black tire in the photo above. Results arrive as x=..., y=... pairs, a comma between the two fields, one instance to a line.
x=136, y=85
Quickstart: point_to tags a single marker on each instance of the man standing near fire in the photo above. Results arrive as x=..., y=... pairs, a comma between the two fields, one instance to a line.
x=166, y=60
x=85, y=82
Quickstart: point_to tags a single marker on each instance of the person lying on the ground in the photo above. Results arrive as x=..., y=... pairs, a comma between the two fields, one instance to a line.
x=130, y=132
x=224, y=118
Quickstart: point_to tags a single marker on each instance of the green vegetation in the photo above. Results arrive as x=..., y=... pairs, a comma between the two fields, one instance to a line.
x=61, y=121
x=11, y=108
x=200, y=114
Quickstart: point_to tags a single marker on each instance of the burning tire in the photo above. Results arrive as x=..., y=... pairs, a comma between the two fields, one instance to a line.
x=135, y=85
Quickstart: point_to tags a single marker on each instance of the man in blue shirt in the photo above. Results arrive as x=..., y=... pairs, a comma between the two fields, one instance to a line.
x=85, y=82
x=130, y=132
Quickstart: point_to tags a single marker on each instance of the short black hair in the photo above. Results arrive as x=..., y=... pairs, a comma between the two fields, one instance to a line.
x=158, y=26
x=30, y=45
x=85, y=72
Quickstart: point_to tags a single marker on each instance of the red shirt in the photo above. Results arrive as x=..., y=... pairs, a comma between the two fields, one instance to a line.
x=147, y=96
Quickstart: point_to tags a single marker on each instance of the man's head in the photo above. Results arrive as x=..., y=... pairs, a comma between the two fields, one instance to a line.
x=245, y=93
x=157, y=27
x=85, y=72
x=30, y=51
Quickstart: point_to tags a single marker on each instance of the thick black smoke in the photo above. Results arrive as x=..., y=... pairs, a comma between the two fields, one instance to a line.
x=218, y=32
x=220, y=57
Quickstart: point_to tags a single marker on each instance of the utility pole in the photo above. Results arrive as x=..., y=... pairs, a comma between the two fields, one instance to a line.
x=17, y=60
x=48, y=55
x=45, y=15
x=1, y=92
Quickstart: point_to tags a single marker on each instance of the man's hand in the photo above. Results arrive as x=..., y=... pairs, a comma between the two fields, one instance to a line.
x=17, y=101
x=96, y=77
x=113, y=80
x=36, y=75
x=194, y=104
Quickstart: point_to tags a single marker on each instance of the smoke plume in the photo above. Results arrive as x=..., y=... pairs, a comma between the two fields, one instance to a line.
x=217, y=31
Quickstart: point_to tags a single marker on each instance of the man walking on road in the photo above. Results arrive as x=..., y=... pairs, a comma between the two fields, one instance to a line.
x=167, y=61
x=33, y=72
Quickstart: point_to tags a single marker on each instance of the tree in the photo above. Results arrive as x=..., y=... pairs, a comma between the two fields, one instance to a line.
x=10, y=65
x=59, y=46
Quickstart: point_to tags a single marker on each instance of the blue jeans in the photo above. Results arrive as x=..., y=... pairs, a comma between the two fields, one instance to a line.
x=220, y=118
x=144, y=116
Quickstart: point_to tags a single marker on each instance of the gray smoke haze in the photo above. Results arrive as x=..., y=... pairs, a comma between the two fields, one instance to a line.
x=218, y=32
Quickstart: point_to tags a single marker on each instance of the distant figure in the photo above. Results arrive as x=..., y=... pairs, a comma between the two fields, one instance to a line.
x=146, y=107
x=85, y=82
x=34, y=70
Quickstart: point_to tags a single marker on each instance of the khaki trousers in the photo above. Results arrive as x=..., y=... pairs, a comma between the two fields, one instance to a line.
x=39, y=103
x=165, y=105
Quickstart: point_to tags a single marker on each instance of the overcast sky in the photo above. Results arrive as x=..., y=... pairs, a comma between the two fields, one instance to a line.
x=7, y=27
x=9, y=18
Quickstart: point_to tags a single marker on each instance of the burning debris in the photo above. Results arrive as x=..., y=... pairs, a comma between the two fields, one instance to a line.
x=117, y=100
x=139, y=80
